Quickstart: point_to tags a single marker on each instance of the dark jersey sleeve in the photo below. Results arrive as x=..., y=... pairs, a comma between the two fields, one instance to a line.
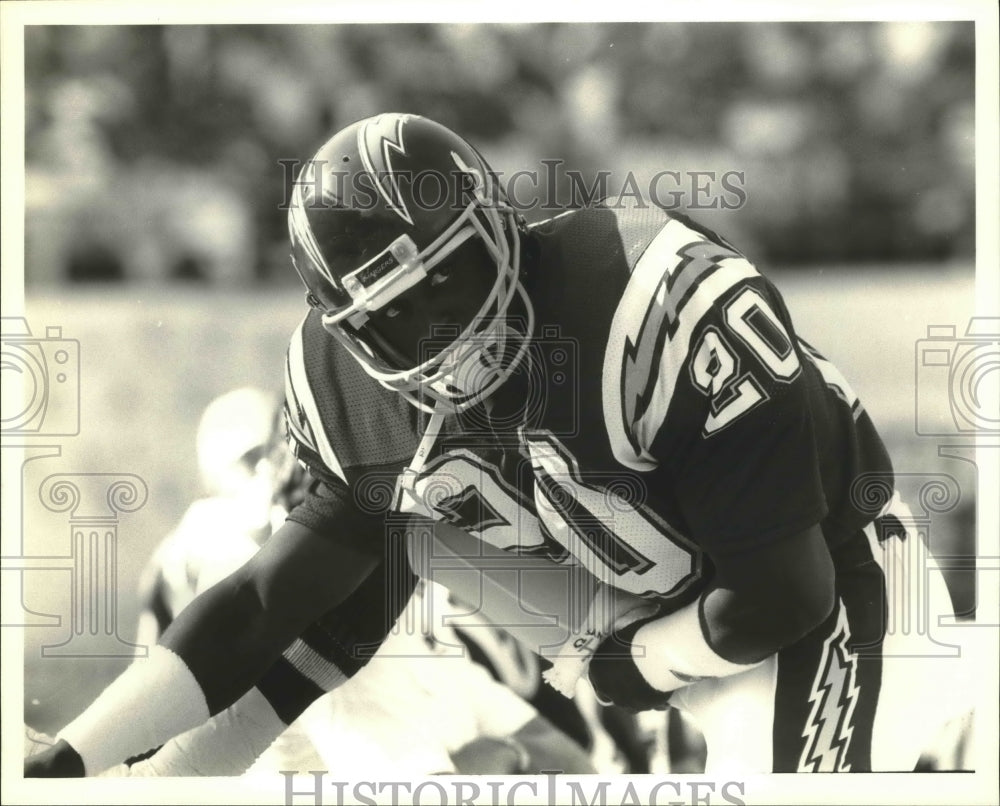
x=704, y=390
x=329, y=509
x=739, y=438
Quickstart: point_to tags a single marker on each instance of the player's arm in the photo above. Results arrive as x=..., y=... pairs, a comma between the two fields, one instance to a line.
x=727, y=420
x=761, y=600
x=251, y=616
x=226, y=745
x=214, y=651
x=752, y=499
x=768, y=597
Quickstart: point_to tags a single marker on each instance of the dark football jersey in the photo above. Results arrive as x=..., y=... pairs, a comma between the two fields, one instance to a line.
x=668, y=412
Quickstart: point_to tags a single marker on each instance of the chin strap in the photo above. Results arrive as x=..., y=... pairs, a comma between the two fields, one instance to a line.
x=409, y=477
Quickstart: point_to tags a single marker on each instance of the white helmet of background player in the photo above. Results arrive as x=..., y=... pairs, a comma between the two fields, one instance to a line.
x=234, y=433
x=244, y=458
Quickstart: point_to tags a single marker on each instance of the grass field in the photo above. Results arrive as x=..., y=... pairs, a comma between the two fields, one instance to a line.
x=152, y=358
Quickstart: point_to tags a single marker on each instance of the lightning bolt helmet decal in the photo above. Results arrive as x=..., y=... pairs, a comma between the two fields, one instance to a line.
x=379, y=139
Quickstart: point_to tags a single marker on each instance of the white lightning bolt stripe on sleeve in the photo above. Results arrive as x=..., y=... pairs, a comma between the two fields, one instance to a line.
x=300, y=398
x=646, y=287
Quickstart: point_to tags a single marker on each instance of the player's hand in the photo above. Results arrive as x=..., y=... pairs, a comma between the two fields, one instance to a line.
x=616, y=679
x=59, y=760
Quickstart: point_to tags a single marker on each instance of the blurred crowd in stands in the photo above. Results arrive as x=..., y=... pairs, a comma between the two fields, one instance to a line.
x=161, y=153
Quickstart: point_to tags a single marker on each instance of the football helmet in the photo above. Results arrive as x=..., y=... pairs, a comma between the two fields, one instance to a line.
x=243, y=454
x=232, y=434
x=411, y=253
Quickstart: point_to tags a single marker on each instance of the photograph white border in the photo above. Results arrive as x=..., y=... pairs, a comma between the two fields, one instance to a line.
x=968, y=788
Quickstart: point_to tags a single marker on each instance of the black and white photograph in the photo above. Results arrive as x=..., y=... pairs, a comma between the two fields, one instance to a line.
x=535, y=404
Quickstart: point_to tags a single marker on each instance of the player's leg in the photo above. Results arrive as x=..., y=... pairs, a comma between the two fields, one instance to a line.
x=735, y=716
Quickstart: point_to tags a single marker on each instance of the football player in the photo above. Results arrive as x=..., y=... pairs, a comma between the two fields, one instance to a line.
x=616, y=389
